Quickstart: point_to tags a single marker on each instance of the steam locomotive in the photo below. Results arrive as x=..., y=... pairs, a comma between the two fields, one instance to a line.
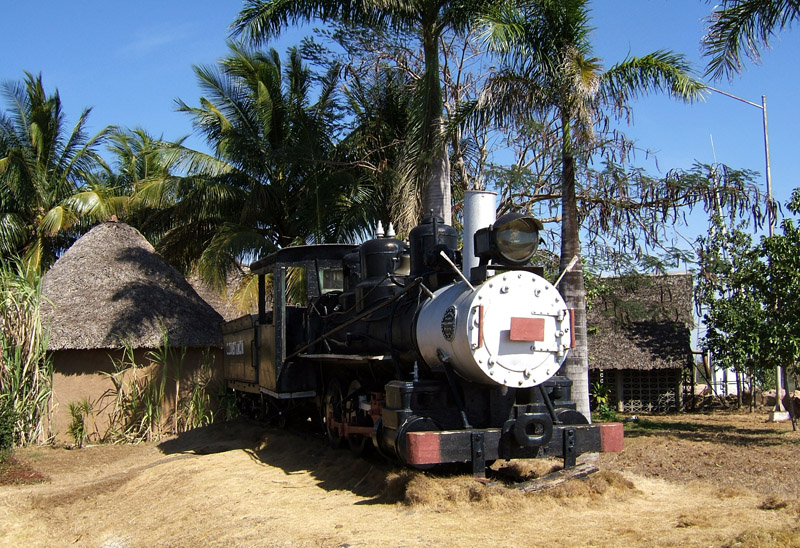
x=387, y=345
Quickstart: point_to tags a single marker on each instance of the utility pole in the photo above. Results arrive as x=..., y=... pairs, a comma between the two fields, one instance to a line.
x=778, y=413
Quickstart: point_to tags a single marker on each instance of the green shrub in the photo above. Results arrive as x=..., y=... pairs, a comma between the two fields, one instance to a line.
x=79, y=412
x=606, y=413
x=7, y=420
x=601, y=400
x=227, y=403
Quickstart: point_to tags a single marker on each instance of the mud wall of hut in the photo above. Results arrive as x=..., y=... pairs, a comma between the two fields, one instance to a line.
x=84, y=375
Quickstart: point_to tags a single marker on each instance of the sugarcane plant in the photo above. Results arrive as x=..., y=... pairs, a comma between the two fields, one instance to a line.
x=26, y=371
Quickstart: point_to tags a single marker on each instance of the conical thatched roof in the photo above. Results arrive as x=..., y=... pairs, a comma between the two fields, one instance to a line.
x=222, y=302
x=111, y=286
x=641, y=322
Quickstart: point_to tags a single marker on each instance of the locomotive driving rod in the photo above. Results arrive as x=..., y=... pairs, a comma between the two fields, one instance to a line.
x=351, y=321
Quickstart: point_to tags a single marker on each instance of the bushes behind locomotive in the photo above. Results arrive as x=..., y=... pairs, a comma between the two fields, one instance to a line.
x=7, y=419
x=600, y=397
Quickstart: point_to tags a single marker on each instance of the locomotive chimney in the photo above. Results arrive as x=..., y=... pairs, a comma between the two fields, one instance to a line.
x=479, y=212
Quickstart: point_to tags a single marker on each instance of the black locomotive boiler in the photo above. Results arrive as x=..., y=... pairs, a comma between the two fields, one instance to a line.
x=389, y=346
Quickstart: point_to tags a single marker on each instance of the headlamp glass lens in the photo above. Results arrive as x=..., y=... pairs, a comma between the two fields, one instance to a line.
x=517, y=240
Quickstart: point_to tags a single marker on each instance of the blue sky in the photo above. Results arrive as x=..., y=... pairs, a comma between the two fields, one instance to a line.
x=129, y=61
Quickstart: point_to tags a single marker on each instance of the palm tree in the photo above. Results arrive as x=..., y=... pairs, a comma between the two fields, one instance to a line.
x=266, y=186
x=373, y=149
x=739, y=27
x=550, y=70
x=145, y=168
x=138, y=157
x=53, y=180
x=429, y=20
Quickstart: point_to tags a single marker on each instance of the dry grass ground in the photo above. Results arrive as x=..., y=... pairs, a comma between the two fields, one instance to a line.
x=684, y=480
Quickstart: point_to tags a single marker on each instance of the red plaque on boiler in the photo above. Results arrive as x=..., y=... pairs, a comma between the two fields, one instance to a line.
x=527, y=329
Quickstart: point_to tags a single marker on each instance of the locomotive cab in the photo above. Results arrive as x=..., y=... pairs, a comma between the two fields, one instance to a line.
x=257, y=345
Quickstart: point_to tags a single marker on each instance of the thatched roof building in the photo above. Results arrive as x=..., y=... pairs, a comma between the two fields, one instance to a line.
x=222, y=302
x=111, y=286
x=640, y=339
x=641, y=322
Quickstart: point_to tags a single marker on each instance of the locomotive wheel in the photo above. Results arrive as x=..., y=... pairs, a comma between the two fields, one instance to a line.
x=333, y=408
x=359, y=445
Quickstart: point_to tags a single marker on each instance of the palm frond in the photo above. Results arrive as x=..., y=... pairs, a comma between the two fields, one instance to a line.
x=13, y=233
x=230, y=245
x=261, y=20
x=660, y=71
x=739, y=28
x=46, y=168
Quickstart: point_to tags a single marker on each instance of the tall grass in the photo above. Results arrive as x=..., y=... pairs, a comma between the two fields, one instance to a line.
x=137, y=411
x=194, y=409
x=139, y=391
x=79, y=413
x=26, y=371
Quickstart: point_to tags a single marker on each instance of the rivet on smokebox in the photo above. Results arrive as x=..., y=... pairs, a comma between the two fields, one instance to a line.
x=537, y=292
x=504, y=289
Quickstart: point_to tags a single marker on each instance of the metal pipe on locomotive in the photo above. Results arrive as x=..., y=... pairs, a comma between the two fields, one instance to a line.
x=393, y=348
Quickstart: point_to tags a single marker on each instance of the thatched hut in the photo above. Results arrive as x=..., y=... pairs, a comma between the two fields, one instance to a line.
x=110, y=290
x=640, y=340
x=221, y=301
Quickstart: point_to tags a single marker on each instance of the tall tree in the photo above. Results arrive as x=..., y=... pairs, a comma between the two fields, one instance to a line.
x=137, y=157
x=371, y=54
x=550, y=69
x=53, y=179
x=732, y=310
x=778, y=285
x=428, y=20
x=141, y=164
x=372, y=148
x=266, y=185
x=738, y=28
x=749, y=297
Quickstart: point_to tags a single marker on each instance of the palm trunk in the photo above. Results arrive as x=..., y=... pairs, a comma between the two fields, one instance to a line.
x=435, y=168
x=437, y=194
x=572, y=288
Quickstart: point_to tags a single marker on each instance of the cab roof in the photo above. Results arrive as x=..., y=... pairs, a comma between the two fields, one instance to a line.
x=302, y=255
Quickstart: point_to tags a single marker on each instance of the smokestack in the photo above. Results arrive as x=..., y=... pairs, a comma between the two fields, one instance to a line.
x=480, y=211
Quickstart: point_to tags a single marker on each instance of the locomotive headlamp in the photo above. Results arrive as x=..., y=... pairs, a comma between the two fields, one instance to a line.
x=511, y=240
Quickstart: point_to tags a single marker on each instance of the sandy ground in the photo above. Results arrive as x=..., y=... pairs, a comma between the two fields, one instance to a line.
x=684, y=480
